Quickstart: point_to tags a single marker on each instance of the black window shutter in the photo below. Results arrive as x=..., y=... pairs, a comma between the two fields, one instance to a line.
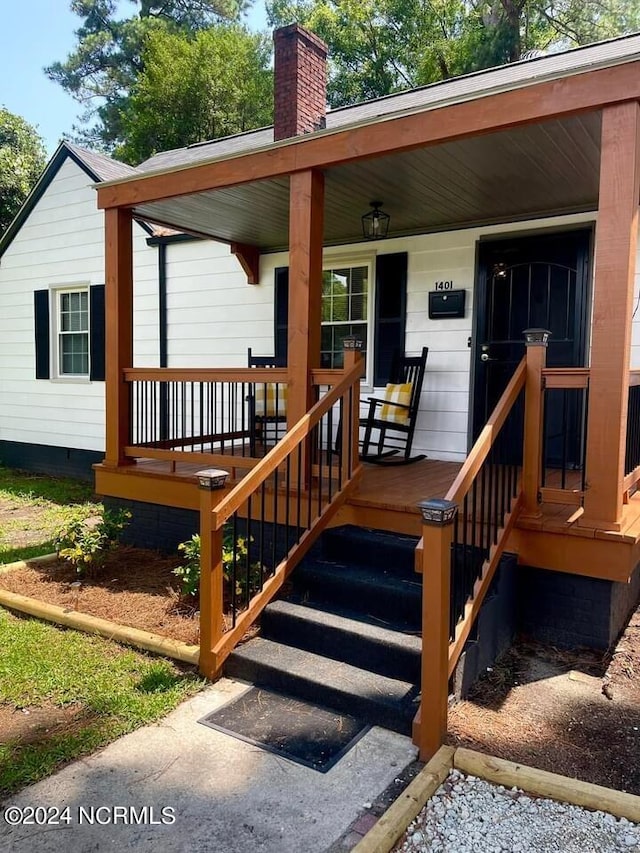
x=96, y=332
x=43, y=341
x=391, y=311
x=281, y=313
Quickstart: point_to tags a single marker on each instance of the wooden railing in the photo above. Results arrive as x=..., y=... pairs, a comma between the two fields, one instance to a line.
x=253, y=538
x=463, y=538
x=565, y=408
x=632, y=452
x=198, y=415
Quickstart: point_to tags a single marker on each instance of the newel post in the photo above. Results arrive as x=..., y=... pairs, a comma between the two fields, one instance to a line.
x=210, y=481
x=351, y=421
x=437, y=538
x=536, y=341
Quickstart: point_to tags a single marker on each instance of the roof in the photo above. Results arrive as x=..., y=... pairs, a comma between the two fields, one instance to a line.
x=103, y=167
x=98, y=168
x=479, y=84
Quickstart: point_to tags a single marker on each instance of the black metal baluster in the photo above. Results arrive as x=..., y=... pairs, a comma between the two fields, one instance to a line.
x=299, y=499
x=234, y=569
x=248, y=559
x=274, y=526
x=263, y=493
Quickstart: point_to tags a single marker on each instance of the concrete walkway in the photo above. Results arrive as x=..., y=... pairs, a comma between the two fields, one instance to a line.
x=225, y=795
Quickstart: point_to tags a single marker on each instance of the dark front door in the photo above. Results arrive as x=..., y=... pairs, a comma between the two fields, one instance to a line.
x=531, y=282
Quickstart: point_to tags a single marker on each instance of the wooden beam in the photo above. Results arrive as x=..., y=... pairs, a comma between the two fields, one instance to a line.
x=249, y=259
x=393, y=823
x=615, y=258
x=118, y=332
x=539, y=102
x=541, y=783
x=305, y=289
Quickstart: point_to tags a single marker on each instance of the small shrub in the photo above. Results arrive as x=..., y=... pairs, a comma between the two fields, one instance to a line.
x=189, y=571
x=86, y=545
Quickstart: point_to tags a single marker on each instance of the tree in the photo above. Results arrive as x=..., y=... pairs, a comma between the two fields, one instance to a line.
x=108, y=56
x=195, y=88
x=380, y=47
x=22, y=159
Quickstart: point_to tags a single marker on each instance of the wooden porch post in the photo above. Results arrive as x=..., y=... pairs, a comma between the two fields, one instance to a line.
x=437, y=537
x=211, y=572
x=306, y=210
x=616, y=246
x=118, y=331
x=536, y=342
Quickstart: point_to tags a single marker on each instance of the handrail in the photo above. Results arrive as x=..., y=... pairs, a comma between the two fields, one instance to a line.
x=462, y=542
x=566, y=377
x=205, y=374
x=326, y=375
x=238, y=495
x=253, y=537
x=480, y=450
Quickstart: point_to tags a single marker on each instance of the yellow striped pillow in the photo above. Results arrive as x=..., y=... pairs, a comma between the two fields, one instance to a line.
x=396, y=394
x=266, y=404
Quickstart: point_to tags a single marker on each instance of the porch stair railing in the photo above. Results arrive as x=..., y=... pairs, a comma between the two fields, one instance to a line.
x=463, y=538
x=256, y=534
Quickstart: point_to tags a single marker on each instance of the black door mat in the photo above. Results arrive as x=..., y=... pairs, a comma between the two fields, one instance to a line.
x=307, y=734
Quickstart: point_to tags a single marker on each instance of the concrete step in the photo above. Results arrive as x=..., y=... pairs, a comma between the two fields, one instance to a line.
x=346, y=637
x=379, y=700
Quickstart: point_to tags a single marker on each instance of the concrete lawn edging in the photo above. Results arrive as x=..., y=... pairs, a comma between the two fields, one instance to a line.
x=394, y=822
x=165, y=646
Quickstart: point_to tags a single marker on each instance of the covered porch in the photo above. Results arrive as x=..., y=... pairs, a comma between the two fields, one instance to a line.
x=534, y=150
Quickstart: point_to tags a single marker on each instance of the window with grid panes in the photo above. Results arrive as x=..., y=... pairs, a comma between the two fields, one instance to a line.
x=73, y=332
x=345, y=311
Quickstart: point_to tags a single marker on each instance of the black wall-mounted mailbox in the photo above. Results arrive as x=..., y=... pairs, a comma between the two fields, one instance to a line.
x=449, y=303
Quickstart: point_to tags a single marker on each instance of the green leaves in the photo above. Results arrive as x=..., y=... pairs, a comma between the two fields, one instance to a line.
x=22, y=159
x=108, y=57
x=195, y=88
x=377, y=48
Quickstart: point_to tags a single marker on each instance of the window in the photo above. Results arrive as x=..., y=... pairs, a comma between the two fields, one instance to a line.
x=72, y=317
x=346, y=295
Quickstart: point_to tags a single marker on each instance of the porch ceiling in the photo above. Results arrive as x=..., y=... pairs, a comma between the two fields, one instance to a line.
x=541, y=169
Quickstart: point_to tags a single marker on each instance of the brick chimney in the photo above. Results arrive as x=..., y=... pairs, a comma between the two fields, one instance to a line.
x=300, y=93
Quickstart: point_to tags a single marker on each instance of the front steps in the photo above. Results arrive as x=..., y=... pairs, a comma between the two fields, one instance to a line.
x=347, y=636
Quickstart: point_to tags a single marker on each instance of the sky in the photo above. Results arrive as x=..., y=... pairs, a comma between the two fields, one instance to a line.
x=35, y=33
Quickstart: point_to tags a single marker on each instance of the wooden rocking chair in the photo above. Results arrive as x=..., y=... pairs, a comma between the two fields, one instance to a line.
x=394, y=416
x=267, y=402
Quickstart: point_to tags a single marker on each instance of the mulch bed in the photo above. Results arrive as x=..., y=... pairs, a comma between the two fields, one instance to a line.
x=134, y=587
x=571, y=712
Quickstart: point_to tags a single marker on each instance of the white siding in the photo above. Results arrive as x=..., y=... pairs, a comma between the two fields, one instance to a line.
x=62, y=242
x=213, y=314
x=442, y=428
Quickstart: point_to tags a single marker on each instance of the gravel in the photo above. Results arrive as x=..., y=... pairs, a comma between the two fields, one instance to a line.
x=469, y=815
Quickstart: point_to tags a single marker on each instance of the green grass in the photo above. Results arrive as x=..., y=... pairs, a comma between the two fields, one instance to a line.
x=117, y=689
x=32, y=509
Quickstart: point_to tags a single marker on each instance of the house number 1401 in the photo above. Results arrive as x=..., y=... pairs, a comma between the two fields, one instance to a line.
x=444, y=285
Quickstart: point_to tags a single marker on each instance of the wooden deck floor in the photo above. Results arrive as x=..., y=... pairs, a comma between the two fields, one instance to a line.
x=387, y=499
